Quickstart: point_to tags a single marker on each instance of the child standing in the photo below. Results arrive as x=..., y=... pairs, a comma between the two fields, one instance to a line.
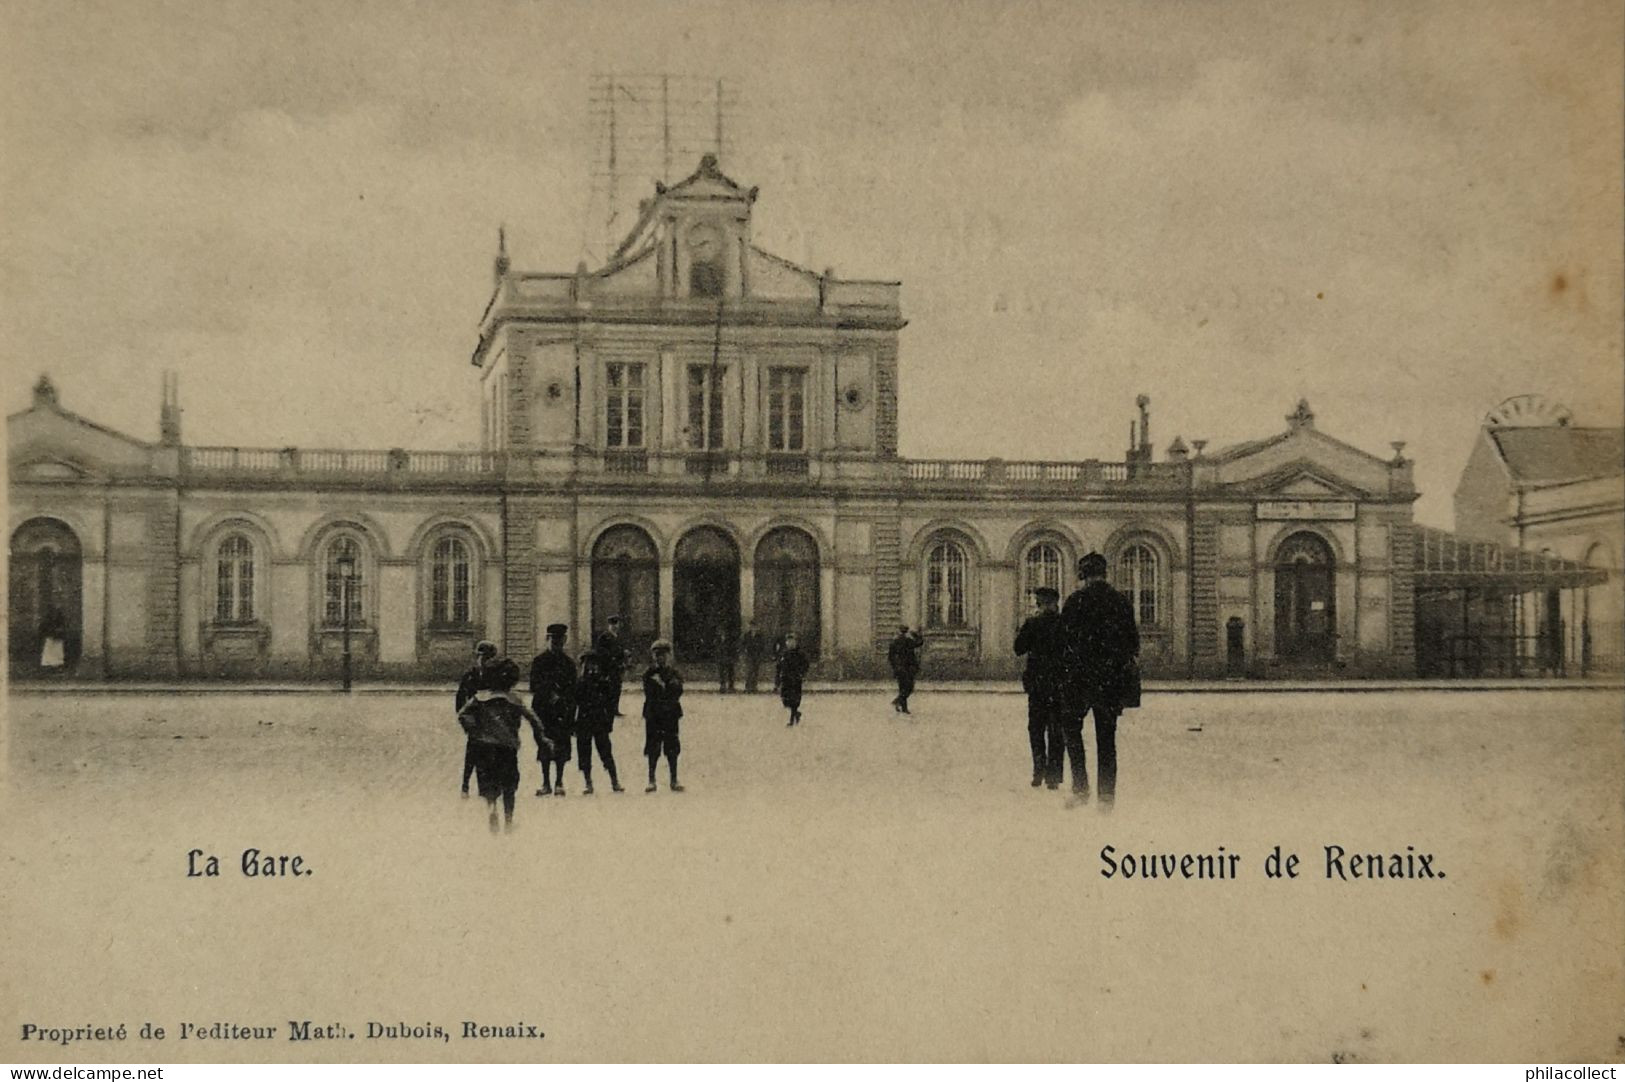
x=595, y=711
x=662, y=690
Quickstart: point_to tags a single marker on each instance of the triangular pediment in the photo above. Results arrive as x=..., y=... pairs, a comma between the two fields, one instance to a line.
x=1316, y=465
x=1307, y=486
x=707, y=182
x=51, y=440
x=1305, y=479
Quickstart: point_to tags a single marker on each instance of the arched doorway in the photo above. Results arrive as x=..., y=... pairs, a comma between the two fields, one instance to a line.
x=786, y=588
x=1305, y=599
x=626, y=583
x=47, y=570
x=705, y=593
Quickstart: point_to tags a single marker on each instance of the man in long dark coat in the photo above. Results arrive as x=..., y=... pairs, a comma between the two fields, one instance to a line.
x=792, y=670
x=1104, y=641
x=1044, y=642
x=553, y=698
x=904, y=657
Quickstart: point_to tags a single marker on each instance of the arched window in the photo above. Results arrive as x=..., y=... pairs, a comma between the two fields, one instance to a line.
x=234, y=580
x=450, y=583
x=1139, y=576
x=945, y=574
x=342, y=548
x=1041, y=567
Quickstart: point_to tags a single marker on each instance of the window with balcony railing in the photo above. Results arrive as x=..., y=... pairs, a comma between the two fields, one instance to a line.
x=704, y=407
x=786, y=410
x=623, y=405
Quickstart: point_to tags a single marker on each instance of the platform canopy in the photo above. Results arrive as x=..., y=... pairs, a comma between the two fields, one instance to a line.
x=1446, y=561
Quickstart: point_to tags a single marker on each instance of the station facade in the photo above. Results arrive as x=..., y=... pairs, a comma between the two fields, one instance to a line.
x=697, y=437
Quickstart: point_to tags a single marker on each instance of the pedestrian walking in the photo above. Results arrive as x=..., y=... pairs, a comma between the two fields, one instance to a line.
x=553, y=698
x=750, y=643
x=491, y=720
x=1105, y=644
x=1043, y=641
x=792, y=669
x=904, y=657
x=662, y=711
x=595, y=715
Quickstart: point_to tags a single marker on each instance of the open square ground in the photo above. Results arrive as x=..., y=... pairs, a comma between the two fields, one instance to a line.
x=862, y=887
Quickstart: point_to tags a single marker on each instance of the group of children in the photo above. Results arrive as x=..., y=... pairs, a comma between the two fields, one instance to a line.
x=568, y=704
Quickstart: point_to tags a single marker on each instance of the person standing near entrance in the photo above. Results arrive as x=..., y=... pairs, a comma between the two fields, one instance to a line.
x=662, y=711
x=751, y=644
x=1104, y=642
x=727, y=652
x=1043, y=641
x=792, y=670
x=553, y=698
x=616, y=657
x=595, y=715
x=53, y=633
x=904, y=657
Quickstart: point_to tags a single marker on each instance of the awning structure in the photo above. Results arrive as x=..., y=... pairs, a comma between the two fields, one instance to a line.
x=1445, y=561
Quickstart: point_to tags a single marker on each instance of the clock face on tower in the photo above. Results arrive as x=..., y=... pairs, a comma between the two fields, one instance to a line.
x=705, y=243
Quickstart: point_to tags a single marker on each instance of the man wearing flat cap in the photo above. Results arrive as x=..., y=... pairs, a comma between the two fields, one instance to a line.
x=1043, y=641
x=553, y=697
x=1104, y=642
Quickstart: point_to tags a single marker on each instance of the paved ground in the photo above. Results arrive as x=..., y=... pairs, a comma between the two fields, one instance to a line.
x=860, y=887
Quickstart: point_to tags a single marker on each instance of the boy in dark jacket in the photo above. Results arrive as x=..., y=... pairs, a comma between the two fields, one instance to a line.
x=662, y=690
x=595, y=711
x=491, y=720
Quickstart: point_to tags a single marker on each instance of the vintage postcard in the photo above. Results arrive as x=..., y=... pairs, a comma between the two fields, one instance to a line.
x=951, y=531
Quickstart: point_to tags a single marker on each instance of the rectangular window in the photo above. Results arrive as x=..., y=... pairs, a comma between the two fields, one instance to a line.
x=623, y=405
x=786, y=409
x=704, y=407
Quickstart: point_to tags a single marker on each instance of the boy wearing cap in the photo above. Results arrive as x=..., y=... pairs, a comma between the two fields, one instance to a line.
x=553, y=698
x=662, y=690
x=1043, y=641
x=595, y=713
x=491, y=720
x=472, y=682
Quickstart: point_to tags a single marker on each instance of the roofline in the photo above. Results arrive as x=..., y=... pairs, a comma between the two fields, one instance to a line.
x=86, y=421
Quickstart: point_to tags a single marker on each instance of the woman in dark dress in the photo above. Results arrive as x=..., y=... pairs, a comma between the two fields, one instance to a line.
x=792, y=670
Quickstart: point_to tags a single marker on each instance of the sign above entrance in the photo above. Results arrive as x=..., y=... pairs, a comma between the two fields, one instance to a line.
x=1300, y=510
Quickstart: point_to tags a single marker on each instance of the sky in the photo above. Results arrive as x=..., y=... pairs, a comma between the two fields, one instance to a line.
x=1405, y=213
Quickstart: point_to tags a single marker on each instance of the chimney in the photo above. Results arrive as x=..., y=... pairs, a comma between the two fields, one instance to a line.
x=169, y=412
